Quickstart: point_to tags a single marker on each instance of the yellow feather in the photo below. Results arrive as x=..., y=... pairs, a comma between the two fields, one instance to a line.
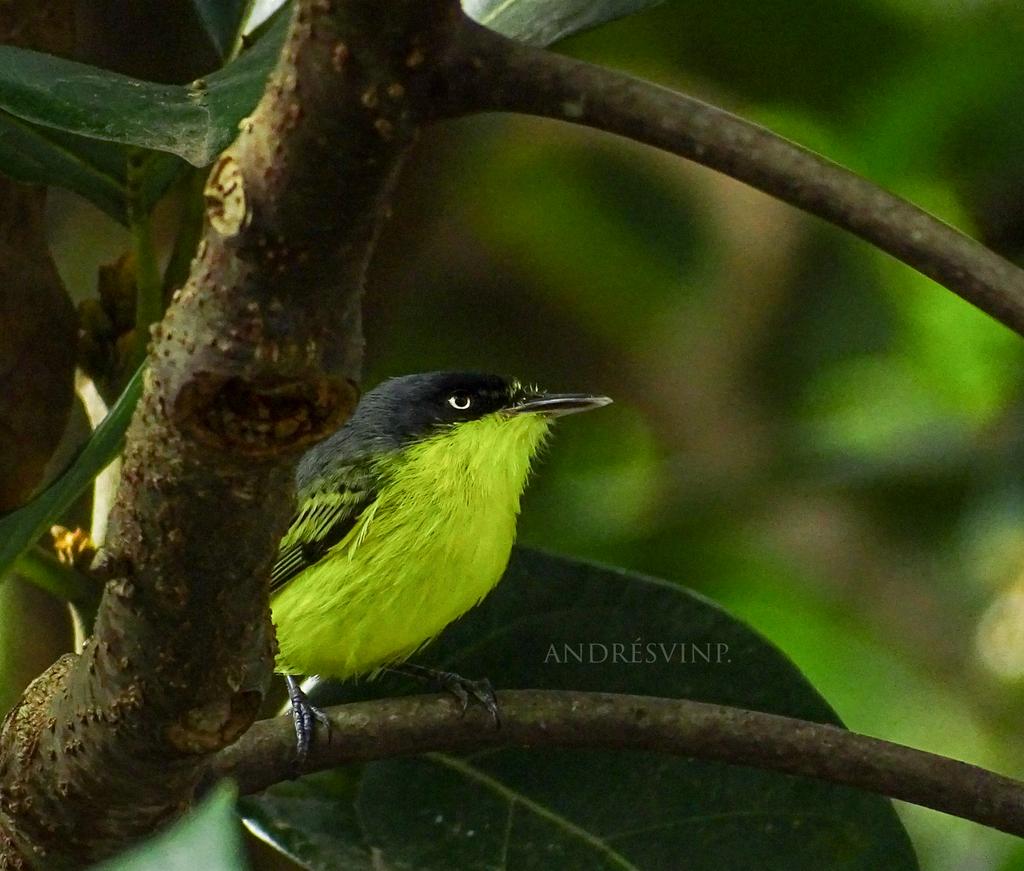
x=431, y=546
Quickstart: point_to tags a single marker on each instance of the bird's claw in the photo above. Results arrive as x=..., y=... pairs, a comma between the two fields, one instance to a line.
x=305, y=716
x=464, y=689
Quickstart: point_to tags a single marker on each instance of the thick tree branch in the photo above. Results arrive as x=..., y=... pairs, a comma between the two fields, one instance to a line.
x=365, y=731
x=494, y=73
x=257, y=357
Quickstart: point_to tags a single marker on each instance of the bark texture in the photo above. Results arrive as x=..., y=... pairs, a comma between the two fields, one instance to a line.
x=257, y=357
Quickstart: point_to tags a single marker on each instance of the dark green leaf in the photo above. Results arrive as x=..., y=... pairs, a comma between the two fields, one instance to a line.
x=222, y=20
x=541, y=809
x=89, y=167
x=198, y=121
x=209, y=838
x=20, y=529
x=313, y=820
x=273, y=20
x=195, y=122
x=41, y=155
x=86, y=100
x=542, y=22
x=162, y=170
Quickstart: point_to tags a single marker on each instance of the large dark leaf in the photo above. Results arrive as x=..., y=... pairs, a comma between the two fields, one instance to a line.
x=20, y=529
x=63, y=128
x=90, y=167
x=195, y=122
x=199, y=120
x=542, y=22
x=543, y=809
x=40, y=155
x=209, y=838
x=314, y=821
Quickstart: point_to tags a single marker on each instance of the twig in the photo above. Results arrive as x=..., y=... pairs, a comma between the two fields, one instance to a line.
x=492, y=73
x=149, y=299
x=365, y=731
x=189, y=232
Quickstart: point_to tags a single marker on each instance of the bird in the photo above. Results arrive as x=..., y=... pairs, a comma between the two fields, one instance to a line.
x=405, y=519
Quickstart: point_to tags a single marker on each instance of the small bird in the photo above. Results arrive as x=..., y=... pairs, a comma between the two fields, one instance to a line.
x=405, y=520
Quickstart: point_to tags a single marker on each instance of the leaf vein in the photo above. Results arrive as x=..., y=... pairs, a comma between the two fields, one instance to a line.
x=511, y=796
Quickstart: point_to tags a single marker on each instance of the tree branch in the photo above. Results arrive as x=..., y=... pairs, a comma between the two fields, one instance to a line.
x=365, y=731
x=493, y=73
x=257, y=357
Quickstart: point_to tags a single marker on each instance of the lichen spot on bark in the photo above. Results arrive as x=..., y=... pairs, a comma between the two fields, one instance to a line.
x=226, y=206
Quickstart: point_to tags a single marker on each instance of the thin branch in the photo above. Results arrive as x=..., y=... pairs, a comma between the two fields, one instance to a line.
x=492, y=73
x=149, y=298
x=365, y=731
x=189, y=232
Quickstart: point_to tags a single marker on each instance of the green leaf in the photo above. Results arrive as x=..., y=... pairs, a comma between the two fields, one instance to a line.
x=88, y=167
x=20, y=529
x=542, y=22
x=198, y=121
x=39, y=155
x=195, y=122
x=222, y=19
x=161, y=171
x=544, y=808
x=208, y=838
x=313, y=820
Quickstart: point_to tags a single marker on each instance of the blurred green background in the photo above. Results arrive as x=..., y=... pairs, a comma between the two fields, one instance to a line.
x=805, y=430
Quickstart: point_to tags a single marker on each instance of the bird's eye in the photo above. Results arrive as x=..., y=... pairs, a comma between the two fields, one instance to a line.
x=460, y=401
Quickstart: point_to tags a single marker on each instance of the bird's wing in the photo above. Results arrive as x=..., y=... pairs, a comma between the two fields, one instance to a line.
x=324, y=517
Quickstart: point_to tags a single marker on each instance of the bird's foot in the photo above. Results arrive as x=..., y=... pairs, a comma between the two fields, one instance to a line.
x=464, y=689
x=305, y=716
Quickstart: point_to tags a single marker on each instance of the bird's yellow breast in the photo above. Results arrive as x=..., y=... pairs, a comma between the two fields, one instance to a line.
x=432, y=544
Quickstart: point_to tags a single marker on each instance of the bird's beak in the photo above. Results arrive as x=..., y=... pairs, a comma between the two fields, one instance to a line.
x=557, y=404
